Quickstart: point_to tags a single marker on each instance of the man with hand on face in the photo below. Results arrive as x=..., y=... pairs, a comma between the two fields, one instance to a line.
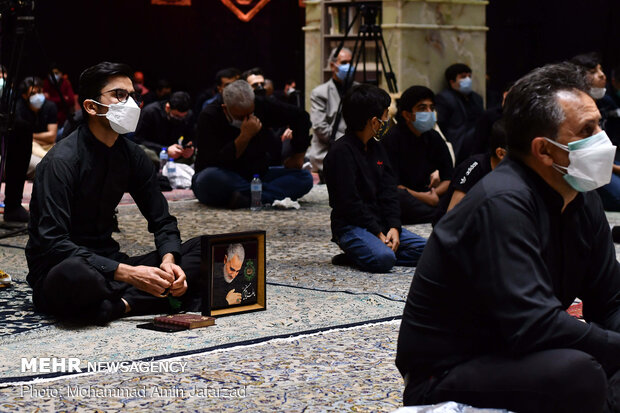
x=234, y=144
x=485, y=321
x=76, y=268
x=365, y=216
x=325, y=100
x=416, y=151
x=227, y=291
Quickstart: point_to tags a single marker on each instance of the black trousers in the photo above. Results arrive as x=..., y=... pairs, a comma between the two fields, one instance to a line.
x=559, y=380
x=18, y=151
x=74, y=290
x=414, y=211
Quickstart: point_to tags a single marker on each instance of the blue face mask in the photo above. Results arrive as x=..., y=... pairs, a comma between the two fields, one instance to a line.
x=424, y=121
x=465, y=85
x=343, y=69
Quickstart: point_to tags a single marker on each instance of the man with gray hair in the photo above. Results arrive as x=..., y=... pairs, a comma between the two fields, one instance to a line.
x=234, y=143
x=226, y=291
x=325, y=100
x=485, y=322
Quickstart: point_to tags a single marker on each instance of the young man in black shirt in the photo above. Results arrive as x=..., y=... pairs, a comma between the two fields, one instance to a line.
x=458, y=110
x=365, y=216
x=485, y=322
x=416, y=150
x=163, y=123
x=76, y=268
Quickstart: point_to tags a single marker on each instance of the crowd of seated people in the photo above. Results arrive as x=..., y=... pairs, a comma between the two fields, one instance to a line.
x=516, y=195
x=432, y=133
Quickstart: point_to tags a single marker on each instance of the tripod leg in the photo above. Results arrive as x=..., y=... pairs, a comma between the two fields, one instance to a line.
x=389, y=76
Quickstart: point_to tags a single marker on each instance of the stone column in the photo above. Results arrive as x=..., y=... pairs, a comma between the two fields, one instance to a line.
x=423, y=37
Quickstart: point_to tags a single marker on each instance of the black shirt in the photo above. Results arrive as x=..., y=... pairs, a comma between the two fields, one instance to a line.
x=414, y=158
x=40, y=119
x=466, y=175
x=361, y=186
x=215, y=137
x=156, y=129
x=77, y=186
x=499, y=271
x=221, y=288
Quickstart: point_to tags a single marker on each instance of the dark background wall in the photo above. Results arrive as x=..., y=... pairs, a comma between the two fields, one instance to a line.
x=187, y=45
x=524, y=34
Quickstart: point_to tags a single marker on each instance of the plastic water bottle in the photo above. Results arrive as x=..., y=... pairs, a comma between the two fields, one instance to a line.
x=163, y=158
x=256, y=189
x=172, y=173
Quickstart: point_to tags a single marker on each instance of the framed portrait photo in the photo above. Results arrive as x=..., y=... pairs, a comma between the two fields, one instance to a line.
x=233, y=270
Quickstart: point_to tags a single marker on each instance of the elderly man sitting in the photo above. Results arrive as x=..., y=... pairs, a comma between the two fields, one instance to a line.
x=234, y=144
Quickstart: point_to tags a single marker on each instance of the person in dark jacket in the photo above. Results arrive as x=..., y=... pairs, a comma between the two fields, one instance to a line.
x=416, y=151
x=234, y=143
x=485, y=322
x=76, y=268
x=458, y=110
x=365, y=217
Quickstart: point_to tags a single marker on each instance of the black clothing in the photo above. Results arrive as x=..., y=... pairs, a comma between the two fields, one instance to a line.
x=215, y=138
x=18, y=152
x=37, y=120
x=361, y=186
x=466, y=175
x=152, y=97
x=457, y=115
x=221, y=288
x=414, y=211
x=482, y=133
x=498, y=272
x=558, y=380
x=74, y=289
x=156, y=129
x=414, y=158
x=78, y=185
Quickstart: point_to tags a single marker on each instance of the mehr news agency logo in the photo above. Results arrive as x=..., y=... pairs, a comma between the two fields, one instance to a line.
x=72, y=365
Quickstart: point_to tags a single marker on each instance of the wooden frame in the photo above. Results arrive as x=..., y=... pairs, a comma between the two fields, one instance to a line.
x=232, y=285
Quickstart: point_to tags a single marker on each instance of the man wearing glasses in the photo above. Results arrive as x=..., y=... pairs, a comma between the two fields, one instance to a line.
x=76, y=269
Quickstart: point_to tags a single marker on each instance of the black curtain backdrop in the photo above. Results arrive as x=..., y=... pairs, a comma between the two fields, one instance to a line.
x=525, y=34
x=186, y=45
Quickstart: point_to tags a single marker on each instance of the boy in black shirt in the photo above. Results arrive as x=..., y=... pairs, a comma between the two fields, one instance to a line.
x=365, y=216
x=416, y=150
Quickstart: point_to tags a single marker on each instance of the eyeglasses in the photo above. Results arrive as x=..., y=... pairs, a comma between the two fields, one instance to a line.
x=123, y=95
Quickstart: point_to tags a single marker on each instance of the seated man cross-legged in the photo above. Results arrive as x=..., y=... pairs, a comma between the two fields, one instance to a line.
x=234, y=143
x=485, y=321
x=76, y=268
x=365, y=217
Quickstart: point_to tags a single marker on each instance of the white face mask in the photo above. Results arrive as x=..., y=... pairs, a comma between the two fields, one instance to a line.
x=591, y=162
x=123, y=117
x=37, y=100
x=597, y=92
